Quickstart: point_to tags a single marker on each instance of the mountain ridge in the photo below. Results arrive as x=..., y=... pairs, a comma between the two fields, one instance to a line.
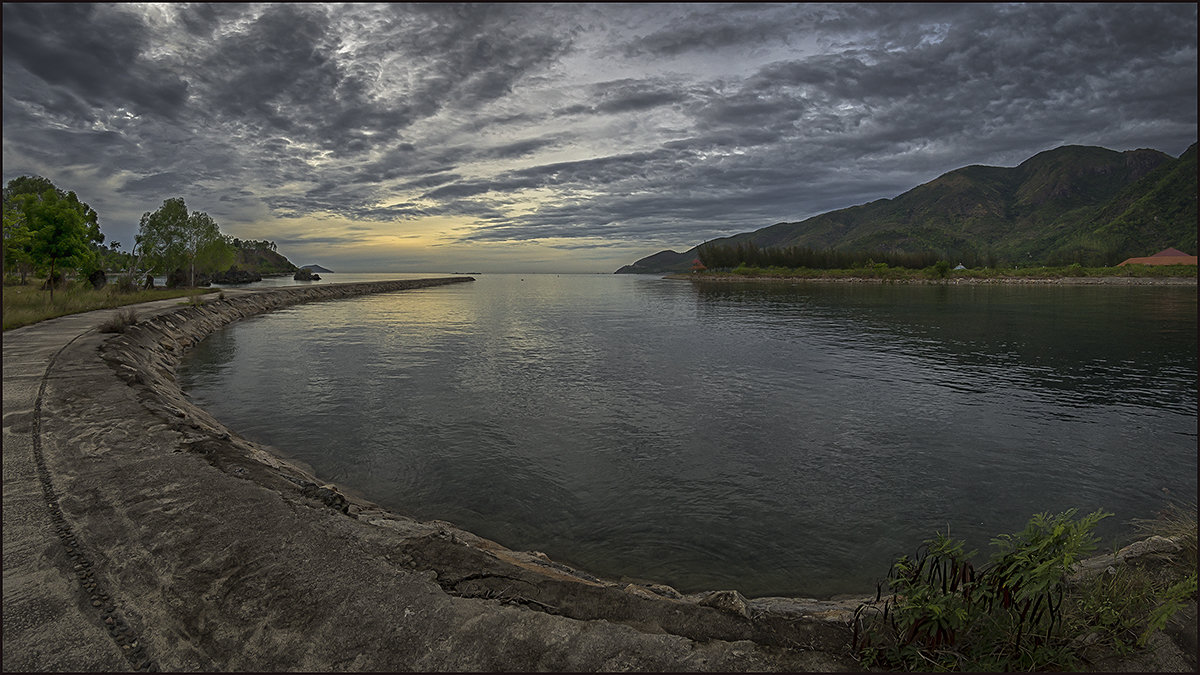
x=1073, y=203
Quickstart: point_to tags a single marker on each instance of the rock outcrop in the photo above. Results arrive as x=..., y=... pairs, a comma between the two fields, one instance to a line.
x=233, y=275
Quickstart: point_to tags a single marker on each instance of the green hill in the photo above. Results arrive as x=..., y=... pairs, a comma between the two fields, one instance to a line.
x=1071, y=204
x=1157, y=212
x=261, y=257
x=663, y=261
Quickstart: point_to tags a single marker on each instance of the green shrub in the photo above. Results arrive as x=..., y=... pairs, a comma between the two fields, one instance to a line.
x=945, y=614
x=1173, y=599
x=1019, y=612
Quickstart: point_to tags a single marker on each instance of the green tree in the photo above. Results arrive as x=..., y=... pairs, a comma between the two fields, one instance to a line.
x=59, y=233
x=171, y=238
x=204, y=244
x=17, y=241
x=24, y=193
x=218, y=254
x=159, y=241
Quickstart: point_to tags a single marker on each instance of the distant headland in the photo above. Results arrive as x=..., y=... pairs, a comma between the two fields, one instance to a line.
x=1073, y=205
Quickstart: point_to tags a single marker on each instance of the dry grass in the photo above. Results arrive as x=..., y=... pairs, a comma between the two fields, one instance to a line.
x=1176, y=521
x=118, y=322
x=24, y=305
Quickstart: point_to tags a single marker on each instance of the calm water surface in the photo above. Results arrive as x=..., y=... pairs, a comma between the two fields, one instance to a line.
x=777, y=439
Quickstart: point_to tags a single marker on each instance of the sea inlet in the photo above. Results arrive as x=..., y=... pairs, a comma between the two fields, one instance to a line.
x=777, y=439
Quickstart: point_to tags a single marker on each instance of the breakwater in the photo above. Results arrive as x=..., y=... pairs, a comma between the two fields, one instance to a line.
x=214, y=553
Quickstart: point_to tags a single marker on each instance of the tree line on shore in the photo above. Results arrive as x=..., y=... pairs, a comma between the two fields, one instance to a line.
x=48, y=232
x=729, y=256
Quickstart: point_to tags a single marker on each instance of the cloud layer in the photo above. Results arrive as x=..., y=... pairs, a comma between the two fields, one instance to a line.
x=579, y=136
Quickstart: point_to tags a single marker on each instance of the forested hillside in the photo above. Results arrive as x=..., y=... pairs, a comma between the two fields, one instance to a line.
x=1072, y=204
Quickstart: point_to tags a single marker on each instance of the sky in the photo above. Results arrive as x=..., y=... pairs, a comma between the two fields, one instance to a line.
x=562, y=138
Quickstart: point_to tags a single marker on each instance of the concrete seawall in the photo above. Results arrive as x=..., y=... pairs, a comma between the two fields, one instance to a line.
x=140, y=533
x=146, y=535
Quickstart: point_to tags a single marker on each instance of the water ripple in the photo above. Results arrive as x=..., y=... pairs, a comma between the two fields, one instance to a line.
x=779, y=440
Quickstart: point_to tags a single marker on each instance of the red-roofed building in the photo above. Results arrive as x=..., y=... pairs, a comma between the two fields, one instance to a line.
x=1167, y=256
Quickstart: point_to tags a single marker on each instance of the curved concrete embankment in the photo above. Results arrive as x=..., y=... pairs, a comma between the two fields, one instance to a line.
x=138, y=531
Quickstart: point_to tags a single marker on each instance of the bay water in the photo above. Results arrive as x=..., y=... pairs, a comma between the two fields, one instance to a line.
x=775, y=438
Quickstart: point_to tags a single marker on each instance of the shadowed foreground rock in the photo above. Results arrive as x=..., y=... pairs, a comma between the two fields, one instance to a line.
x=170, y=543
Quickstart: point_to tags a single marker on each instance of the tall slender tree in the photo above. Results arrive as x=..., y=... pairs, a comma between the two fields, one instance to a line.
x=200, y=237
x=171, y=238
x=159, y=241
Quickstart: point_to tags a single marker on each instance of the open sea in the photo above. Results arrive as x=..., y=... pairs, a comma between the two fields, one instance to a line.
x=777, y=439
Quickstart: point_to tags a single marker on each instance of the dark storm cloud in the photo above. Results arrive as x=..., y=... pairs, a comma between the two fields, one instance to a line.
x=277, y=69
x=715, y=28
x=308, y=240
x=598, y=172
x=518, y=148
x=483, y=49
x=630, y=95
x=153, y=184
x=571, y=122
x=643, y=208
x=94, y=56
x=432, y=180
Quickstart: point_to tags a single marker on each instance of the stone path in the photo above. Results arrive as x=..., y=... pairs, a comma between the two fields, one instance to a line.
x=138, y=533
x=49, y=622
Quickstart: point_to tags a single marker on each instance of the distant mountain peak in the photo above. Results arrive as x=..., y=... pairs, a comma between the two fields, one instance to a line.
x=1070, y=203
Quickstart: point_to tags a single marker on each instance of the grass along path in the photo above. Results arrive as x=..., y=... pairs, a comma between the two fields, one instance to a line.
x=27, y=304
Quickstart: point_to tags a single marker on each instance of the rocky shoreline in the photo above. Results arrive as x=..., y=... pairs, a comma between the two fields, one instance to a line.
x=196, y=549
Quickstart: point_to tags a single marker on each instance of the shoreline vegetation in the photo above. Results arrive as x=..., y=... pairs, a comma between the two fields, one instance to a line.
x=27, y=304
x=1164, y=275
x=53, y=238
x=1035, y=605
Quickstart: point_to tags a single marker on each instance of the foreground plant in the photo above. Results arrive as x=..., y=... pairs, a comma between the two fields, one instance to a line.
x=119, y=321
x=1019, y=611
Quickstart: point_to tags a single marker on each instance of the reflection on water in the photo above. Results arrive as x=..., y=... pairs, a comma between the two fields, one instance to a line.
x=778, y=439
